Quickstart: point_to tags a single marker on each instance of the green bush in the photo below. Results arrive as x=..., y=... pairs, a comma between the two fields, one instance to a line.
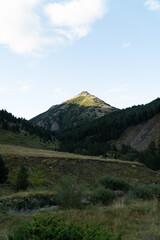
x=37, y=178
x=155, y=188
x=20, y=204
x=22, y=178
x=115, y=183
x=145, y=192
x=69, y=194
x=35, y=203
x=24, y=204
x=102, y=195
x=53, y=228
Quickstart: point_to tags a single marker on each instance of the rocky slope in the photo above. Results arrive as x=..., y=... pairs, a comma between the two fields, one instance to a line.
x=140, y=136
x=78, y=110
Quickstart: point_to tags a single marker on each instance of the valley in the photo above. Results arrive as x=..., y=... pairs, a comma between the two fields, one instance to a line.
x=87, y=151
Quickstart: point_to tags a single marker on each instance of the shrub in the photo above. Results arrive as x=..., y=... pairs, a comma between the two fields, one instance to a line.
x=145, y=192
x=35, y=203
x=22, y=178
x=155, y=188
x=24, y=204
x=56, y=229
x=103, y=195
x=20, y=204
x=37, y=178
x=115, y=183
x=3, y=171
x=69, y=194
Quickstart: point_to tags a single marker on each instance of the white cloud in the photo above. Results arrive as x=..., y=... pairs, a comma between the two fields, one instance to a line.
x=24, y=29
x=153, y=5
x=126, y=45
x=20, y=27
x=74, y=18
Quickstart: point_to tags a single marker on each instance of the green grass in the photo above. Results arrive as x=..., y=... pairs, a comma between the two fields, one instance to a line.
x=24, y=139
x=139, y=220
x=88, y=101
x=135, y=219
x=46, y=167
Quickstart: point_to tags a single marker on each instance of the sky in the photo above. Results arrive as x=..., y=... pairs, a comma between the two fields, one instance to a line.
x=51, y=50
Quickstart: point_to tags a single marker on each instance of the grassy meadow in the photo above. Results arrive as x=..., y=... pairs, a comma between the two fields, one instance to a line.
x=23, y=138
x=134, y=219
x=46, y=167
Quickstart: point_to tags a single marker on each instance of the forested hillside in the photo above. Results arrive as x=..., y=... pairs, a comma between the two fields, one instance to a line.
x=19, y=131
x=100, y=136
x=119, y=134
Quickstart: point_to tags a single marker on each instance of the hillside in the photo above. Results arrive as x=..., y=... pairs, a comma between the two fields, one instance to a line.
x=20, y=132
x=140, y=136
x=47, y=167
x=137, y=126
x=78, y=110
x=127, y=215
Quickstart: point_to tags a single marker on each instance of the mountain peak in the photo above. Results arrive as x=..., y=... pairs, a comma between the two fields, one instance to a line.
x=84, y=93
x=77, y=110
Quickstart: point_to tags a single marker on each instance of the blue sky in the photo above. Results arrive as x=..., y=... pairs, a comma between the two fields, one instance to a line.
x=51, y=50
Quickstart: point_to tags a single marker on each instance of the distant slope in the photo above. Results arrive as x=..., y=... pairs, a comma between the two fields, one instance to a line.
x=20, y=132
x=141, y=135
x=138, y=126
x=78, y=110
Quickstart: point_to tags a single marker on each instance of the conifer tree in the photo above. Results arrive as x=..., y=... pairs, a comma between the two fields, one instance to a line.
x=3, y=171
x=22, y=178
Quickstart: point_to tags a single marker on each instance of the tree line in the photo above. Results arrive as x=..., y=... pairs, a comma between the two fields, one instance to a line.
x=11, y=123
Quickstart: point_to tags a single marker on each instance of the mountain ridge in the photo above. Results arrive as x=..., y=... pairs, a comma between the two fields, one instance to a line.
x=122, y=132
x=75, y=111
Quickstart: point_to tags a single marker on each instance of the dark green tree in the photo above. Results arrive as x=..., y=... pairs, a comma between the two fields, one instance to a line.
x=3, y=171
x=22, y=178
x=5, y=126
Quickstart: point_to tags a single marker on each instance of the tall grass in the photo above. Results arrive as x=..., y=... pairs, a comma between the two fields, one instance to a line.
x=136, y=221
x=69, y=194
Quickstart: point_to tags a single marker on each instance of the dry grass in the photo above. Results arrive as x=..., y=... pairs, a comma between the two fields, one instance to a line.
x=46, y=167
x=134, y=221
x=31, y=193
x=31, y=152
x=137, y=221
